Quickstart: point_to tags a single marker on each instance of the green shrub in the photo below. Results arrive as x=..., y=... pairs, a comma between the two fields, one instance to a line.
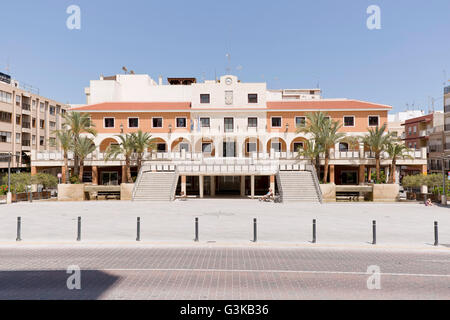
x=46, y=180
x=19, y=181
x=3, y=189
x=74, y=180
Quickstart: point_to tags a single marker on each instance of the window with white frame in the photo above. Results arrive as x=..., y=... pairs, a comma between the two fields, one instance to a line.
x=276, y=122
x=300, y=122
x=157, y=122
x=252, y=122
x=181, y=122
x=373, y=121
x=133, y=122
x=108, y=122
x=204, y=98
x=204, y=122
x=349, y=121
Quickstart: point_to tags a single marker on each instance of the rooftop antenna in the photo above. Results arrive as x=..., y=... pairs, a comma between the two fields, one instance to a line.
x=228, y=69
x=445, y=77
x=7, y=65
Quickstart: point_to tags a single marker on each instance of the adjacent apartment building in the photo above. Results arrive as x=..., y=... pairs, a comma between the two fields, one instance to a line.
x=447, y=119
x=222, y=136
x=426, y=132
x=27, y=123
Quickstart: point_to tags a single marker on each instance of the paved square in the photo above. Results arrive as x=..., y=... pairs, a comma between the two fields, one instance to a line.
x=227, y=221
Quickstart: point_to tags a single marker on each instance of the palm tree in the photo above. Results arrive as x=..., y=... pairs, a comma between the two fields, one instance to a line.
x=126, y=148
x=65, y=139
x=395, y=149
x=142, y=141
x=83, y=147
x=326, y=135
x=77, y=123
x=314, y=125
x=329, y=137
x=377, y=141
x=309, y=151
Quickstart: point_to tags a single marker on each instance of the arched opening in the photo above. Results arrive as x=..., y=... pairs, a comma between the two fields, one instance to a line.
x=343, y=147
x=159, y=145
x=205, y=146
x=298, y=143
x=276, y=144
x=106, y=143
x=252, y=145
x=181, y=144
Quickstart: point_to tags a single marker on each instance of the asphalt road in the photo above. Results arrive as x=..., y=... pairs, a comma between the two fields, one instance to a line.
x=213, y=272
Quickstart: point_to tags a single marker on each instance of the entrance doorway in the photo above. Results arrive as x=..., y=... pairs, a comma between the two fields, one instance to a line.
x=110, y=178
x=228, y=185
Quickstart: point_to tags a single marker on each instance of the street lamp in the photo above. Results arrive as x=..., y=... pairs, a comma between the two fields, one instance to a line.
x=121, y=128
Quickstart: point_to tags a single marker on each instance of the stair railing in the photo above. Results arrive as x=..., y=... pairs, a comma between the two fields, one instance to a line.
x=138, y=181
x=174, y=184
x=278, y=182
x=311, y=169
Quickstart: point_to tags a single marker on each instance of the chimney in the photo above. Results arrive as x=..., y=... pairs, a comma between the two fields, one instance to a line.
x=160, y=80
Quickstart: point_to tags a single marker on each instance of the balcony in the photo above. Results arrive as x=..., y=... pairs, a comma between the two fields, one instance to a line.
x=26, y=125
x=447, y=127
x=26, y=143
x=26, y=106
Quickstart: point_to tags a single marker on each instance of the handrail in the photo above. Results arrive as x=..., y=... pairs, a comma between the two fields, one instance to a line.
x=280, y=188
x=316, y=181
x=137, y=182
x=174, y=185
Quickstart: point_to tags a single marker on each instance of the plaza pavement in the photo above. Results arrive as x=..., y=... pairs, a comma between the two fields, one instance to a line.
x=226, y=222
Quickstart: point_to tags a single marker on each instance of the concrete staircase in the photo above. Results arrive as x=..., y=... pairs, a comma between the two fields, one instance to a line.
x=298, y=186
x=155, y=186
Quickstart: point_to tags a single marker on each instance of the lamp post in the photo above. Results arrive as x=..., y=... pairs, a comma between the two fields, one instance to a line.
x=444, y=177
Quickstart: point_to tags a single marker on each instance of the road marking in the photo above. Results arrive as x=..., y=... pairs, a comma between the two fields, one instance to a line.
x=275, y=271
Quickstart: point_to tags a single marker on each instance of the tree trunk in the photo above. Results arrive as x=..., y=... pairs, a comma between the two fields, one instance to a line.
x=128, y=170
x=377, y=160
x=80, y=176
x=325, y=169
x=139, y=162
x=66, y=167
x=392, y=173
x=318, y=167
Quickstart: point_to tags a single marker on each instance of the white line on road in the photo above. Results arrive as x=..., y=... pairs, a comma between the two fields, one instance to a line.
x=278, y=271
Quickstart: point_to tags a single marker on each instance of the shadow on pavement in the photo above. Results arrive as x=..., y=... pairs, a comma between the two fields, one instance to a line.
x=52, y=284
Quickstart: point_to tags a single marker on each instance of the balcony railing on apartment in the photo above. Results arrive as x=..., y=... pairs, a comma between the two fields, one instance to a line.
x=26, y=143
x=26, y=125
x=26, y=106
x=447, y=127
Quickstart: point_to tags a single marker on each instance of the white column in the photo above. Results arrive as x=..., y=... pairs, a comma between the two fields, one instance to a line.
x=201, y=184
x=242, y=186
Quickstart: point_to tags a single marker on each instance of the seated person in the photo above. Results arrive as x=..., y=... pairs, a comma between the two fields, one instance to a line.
x=267, y=196
x=429, y=203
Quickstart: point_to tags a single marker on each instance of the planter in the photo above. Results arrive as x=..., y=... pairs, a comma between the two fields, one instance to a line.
x=328, y=192
x=385, y=192
x=70, y=192
x=126, y=191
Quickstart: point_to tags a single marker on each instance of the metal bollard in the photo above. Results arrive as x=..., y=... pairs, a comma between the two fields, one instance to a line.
x=255, y=230
x=19, y=226
x=314, y=239
x=31, y=195
x=436, y=234
x=138, y=231
x=79, y=229
x=374, y=232
x=196, y=230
